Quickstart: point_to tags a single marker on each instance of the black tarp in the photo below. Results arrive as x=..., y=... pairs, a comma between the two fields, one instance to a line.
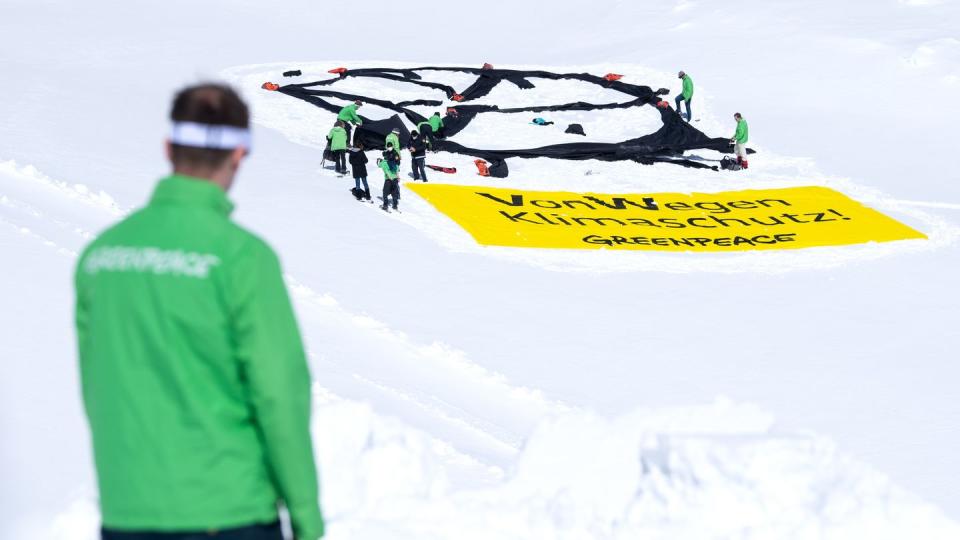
x=666, y=145
x=373, y=132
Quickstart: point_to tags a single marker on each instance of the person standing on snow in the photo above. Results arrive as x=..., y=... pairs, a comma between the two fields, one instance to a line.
x=418, y=155
x=393, y=140
x=348, y=115
x=193, y=373
x=358, y=162
x=686, y=94
x=391, y=183
x=338, y=145
x=739, y=139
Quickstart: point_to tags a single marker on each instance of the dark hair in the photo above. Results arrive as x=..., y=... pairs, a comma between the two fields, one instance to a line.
x=208, y=103
x=358, y=144
x=738, y=115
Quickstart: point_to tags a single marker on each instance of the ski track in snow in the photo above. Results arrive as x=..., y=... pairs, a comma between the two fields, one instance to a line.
x=433, y=387
x=306, y=124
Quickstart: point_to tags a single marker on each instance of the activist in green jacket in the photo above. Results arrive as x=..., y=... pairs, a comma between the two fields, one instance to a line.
x=388, y=173
x=685, y=95
x=193, y=372
x=394, y=139
x=338, y=138
x=349, y=114
x=436, y=122
x=739, y=140
x=687, y=87
x=742, y=134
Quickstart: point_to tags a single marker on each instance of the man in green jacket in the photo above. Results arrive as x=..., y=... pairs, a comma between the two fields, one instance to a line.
x=686, y=94
x=437, y=124
x=348, y=115
x=393, y=139
x=740, y=138
x=193, y=373
x=391, y=184
x=337, y=138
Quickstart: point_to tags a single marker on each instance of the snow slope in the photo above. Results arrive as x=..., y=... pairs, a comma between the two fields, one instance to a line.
x=466, y=391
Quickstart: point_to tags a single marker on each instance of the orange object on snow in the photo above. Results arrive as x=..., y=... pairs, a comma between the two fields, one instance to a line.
x=613, y=76
x=339, y=70
x=487, y=66
x=482, y=167
x=270, y=86
x=457, y=97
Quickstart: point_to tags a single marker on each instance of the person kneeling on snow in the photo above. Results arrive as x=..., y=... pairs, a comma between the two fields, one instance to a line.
x=739, y=139
x=426, y=133
x=418, y=154
x=391, y=183
x=338, y=145
x=358, y=161
x=436, y=122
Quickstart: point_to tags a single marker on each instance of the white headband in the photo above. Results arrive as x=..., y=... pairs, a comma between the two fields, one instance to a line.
x=212, y=136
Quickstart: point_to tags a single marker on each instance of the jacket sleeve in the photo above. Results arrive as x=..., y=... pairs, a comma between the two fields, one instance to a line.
x=271, y=356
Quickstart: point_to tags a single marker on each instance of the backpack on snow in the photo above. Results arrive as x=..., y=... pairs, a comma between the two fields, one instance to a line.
x=730, y=164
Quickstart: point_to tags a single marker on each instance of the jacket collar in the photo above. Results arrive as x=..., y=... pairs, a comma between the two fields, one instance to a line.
x=187, y=190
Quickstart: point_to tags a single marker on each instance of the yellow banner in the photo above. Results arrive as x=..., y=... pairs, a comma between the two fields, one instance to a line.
x=787, y=218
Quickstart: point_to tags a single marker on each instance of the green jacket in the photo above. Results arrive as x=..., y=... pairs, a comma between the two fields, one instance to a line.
x=436, y=122
x=387, y=173
x=349, y=114
x=743, y=132
x=392, y=138
x=687, y=87
x=193, y=374
x=338, y=138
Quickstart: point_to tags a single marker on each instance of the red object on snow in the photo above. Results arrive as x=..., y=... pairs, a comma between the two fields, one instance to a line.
x=452, y=111
x=487, y=66
x=662, y=104
x=457, y=97
x=613, y=76
x=482, y=167
x=339, y=70
x=270, y=86
x=448, y=170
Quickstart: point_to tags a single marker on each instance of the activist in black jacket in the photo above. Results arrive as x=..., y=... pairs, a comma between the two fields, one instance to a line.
x=418, y=151
x=358, y=162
